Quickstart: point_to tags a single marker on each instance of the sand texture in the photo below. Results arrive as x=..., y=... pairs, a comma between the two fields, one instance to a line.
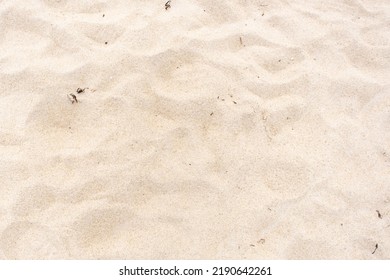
x=234, y=129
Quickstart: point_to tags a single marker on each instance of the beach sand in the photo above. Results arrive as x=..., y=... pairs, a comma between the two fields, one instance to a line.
x=208, y=130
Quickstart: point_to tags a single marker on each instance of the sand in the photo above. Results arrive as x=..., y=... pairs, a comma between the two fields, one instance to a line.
x=208, y=130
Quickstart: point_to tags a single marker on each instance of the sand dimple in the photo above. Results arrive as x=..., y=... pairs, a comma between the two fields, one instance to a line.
x=33, y=200
x=27, y=240
x=296, y=86
x=302, y=249
x=376, y=35
x=93, y=228
x=288, y=180
x=376, y=118
x=369, y=61
x=76, y=7
x=91, y=190
x=277, y=120
x=101, y=33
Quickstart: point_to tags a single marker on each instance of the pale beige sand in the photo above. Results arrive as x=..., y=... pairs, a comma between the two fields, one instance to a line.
x=191, y=142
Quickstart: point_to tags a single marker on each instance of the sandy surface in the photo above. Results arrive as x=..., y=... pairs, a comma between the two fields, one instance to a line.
x=213, y=129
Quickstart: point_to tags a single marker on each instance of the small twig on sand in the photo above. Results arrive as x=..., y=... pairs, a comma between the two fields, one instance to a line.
x=376, y=247
x=80, y=90
x=72, y=98
x=168, y=5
